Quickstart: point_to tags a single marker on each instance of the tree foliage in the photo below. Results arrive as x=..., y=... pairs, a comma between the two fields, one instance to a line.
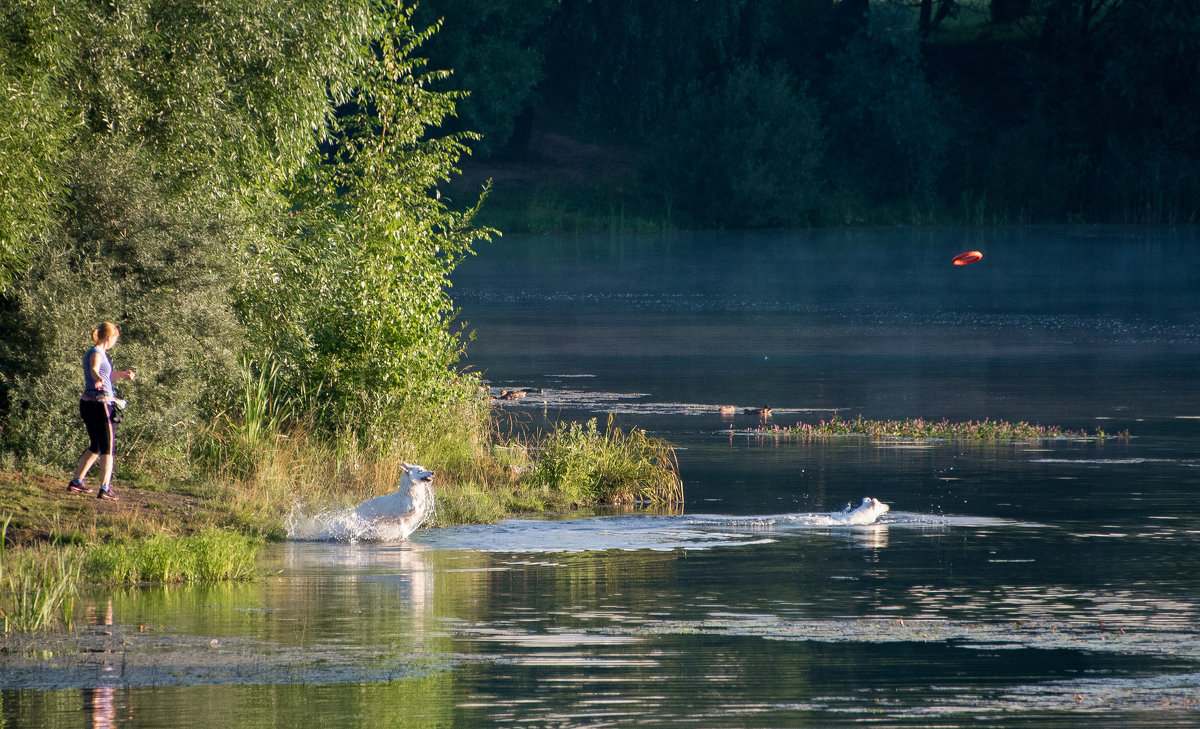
x=1008, y=110
x=619, y=63
x=493, y=49
x=888, y=135
x=153, y=155
x=352, y=300
x=745, y=152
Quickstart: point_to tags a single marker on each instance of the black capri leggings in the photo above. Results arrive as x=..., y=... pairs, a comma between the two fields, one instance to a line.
x=99, y=426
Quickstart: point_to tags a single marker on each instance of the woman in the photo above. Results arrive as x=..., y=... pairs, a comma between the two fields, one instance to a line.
x=96, y=409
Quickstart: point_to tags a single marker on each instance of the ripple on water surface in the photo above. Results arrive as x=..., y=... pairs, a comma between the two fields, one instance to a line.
x=688, y=532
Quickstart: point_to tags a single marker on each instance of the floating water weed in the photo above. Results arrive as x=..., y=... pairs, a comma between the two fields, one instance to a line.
x=919, y=429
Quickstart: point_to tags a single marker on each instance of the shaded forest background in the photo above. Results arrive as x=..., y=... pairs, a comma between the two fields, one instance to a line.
x=269, y=197
x=801, y=112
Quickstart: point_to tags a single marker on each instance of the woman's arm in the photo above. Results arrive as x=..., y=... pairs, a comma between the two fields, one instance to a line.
x=124, y=375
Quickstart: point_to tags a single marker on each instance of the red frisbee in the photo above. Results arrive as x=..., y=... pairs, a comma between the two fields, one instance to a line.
x=963, y=259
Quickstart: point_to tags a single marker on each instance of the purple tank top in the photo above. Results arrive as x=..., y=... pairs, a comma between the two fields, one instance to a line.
x=89, y=384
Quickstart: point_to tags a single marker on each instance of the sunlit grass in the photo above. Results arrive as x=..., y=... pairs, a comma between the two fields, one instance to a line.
x=37, y=586
x=206, y=557
x=266, y=467
x=481, y=476
x=611, y=467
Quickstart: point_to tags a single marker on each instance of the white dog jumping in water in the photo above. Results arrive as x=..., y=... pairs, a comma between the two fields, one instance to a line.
x=389, y=518
x=404, y=510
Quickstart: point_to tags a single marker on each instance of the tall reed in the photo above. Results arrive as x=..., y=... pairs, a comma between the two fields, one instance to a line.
x=209, y=556
x=39, y=591
x=613, y=467
x=236, y=440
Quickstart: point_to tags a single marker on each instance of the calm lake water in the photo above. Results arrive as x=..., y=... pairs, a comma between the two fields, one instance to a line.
x=1049, y=584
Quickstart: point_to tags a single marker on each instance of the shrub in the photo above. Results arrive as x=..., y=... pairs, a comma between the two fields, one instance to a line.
x=586, y=466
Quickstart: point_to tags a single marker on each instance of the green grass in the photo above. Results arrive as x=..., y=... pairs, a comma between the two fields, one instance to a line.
x=588, y=466
x=37, y=587
x=209, y=556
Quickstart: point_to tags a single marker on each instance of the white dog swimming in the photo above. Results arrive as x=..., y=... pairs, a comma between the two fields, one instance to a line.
x=389, y=518
x=867, y=513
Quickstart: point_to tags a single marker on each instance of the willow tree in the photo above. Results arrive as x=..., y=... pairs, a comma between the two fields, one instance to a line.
x=144, y=146
x=351, y=304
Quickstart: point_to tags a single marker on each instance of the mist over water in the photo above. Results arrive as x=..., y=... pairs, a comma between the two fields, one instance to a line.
x=1013, y=584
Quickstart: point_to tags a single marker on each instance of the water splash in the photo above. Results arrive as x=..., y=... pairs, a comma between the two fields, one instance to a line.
x=345, y=525
x=655, y=533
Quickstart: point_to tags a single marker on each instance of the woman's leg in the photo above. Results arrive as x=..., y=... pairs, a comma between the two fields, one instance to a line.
x=100, y=435
x=86, y=460
x=106, y=463
x=106, y=456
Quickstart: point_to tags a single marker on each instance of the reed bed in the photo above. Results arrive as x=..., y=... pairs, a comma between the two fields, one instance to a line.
x=37, y=587
x=210, y=556
x=919, y=429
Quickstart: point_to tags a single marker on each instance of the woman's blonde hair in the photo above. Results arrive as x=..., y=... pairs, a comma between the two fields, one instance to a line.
x=106, y=332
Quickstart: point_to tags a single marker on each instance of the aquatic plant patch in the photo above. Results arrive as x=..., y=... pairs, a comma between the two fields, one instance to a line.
x=919, y=429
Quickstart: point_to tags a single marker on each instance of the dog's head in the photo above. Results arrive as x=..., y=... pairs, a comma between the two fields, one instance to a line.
x=874, y=506
x=416, y=474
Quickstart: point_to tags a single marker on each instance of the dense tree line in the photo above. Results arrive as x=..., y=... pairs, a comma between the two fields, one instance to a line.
x=251, y=186
x=781, y=112
x=243, y=186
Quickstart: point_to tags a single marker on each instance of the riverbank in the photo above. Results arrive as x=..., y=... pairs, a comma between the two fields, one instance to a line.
x=55, y=541
x=573, y=465
x=44, y=512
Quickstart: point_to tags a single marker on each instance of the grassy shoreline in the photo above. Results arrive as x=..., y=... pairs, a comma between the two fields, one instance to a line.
x=210, y=528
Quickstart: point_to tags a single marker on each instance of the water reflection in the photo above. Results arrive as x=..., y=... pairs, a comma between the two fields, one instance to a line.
x=100, y=701
x=1049, y=584
x=787, y=628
